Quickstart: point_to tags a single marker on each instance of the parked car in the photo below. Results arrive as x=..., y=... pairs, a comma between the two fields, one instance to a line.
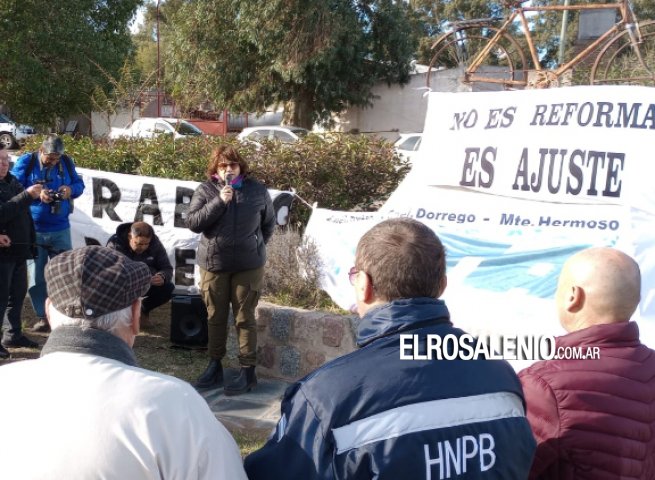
x=153, y=127
x=408, y=144
x=256, y=135
x=12, y=134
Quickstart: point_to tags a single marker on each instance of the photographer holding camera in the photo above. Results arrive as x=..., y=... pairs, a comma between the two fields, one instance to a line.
x=56, y=172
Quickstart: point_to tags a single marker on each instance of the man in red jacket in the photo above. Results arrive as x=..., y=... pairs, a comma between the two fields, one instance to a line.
x=595, y=418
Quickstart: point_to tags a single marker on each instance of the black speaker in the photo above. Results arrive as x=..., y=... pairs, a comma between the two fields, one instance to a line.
x=188, y=321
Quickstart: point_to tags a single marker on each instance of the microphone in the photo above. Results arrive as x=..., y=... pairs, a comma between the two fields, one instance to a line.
x=228, y=181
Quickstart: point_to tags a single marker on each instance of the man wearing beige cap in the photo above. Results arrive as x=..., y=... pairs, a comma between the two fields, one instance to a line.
x=85, y=409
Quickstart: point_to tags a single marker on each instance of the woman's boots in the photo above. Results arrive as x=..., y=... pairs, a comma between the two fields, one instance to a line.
x=212, y=376
x=243, y=383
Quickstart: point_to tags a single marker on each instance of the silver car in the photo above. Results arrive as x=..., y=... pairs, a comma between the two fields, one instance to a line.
x=256, y=135
x=408, y=144
x=12, y=134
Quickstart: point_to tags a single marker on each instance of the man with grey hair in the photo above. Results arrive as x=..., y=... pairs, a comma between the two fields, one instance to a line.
x=594, y=415
x=50, y=167
x=85, y=409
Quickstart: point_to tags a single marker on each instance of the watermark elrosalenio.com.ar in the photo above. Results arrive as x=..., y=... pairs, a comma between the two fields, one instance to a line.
x=500, y=347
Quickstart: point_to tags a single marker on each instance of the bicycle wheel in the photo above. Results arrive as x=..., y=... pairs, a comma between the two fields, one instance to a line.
x=618, y=63
x=504, y=67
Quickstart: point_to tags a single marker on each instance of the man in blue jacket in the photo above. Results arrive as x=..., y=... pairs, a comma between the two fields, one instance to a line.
x=372, y=414
x=61, y=184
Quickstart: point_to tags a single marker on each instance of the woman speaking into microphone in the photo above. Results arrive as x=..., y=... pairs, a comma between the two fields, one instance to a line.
x=234, y=213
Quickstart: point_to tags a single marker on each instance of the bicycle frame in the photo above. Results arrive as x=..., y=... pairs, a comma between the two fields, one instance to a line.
x=519, y=11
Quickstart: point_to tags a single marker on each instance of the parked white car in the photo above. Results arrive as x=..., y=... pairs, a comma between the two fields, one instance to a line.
x=153, y=127
x=12, y=134
x=408, y=144
x=256, y=135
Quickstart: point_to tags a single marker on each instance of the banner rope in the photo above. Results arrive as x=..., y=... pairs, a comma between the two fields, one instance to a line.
x=293, y=190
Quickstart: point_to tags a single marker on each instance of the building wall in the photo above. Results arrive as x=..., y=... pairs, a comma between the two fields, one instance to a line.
x=397, y=109
x=402, y=109
x=76, y=125
x=100, y=127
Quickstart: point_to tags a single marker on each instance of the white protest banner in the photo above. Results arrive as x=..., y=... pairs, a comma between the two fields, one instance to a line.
x=110, y=199
x=514, y=183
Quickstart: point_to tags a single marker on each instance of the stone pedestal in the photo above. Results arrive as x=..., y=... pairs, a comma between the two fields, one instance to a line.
x=292, y=342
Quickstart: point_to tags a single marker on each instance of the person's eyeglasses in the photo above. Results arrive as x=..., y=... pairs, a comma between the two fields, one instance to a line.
x=352, y=273
x=223, y=166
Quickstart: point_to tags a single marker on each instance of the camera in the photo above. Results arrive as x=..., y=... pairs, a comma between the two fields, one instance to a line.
x=56, y=197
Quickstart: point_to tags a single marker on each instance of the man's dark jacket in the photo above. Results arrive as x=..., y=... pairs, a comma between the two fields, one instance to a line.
x=370, y=414
x=234, y=234
x=16, y=220
x=154, y=256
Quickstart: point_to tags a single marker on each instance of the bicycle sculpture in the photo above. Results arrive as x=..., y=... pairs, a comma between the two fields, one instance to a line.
x=491, y=54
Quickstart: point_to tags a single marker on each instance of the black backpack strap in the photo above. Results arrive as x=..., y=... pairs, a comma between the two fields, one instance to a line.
x=30, y=165
x=68, y=163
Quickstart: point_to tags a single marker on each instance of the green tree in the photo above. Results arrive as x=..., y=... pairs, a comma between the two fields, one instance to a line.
x=145, y=61
x=315, y=56
x=55, y=54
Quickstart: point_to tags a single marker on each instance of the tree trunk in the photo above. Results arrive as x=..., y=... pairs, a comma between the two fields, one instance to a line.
x=303, y=110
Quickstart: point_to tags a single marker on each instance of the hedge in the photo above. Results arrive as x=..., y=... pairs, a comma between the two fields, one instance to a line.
x=337, y=171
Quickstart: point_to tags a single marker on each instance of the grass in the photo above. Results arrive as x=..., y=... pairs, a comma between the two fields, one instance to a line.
x=155, y=352
x=248, y=441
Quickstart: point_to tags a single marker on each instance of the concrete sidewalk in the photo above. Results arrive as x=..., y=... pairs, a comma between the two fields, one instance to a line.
x=257, y=410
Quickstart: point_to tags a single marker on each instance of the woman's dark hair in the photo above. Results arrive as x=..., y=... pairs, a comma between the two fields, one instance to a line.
x=225, y=154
